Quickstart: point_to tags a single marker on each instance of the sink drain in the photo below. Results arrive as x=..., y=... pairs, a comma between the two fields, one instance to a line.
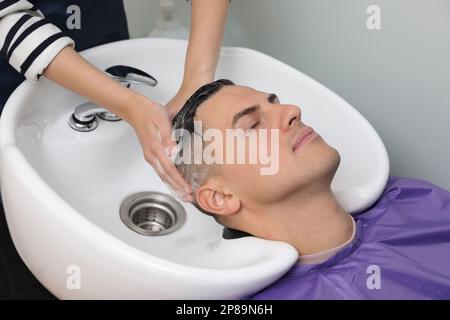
x=152, y=213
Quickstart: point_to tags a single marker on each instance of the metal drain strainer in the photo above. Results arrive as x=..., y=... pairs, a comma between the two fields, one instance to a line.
x=152, y=213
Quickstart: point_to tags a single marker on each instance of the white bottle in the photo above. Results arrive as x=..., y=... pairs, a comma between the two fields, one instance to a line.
x=167, y=24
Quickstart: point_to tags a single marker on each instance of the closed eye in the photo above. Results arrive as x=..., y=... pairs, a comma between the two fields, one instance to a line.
x=255, y=125
x=271, y=98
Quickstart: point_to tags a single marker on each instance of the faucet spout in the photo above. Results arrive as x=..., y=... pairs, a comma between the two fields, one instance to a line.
x=83, y=118
x=129, y=75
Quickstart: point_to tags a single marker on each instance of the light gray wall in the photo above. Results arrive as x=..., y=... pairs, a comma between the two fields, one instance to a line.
x=141, y=16
x=397, y=77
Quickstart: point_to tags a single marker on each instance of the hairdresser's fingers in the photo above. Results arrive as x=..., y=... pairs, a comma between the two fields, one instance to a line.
x=168, y=181
x=157, y=167
x=188, y=198
x=185, y=196
x=164, y=127
x=167, y=169
x=170, y=170
x=161, y=175
x=154, y=162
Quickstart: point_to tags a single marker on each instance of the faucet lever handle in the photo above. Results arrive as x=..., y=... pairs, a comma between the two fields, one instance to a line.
x=83, y=119
x=129, y=75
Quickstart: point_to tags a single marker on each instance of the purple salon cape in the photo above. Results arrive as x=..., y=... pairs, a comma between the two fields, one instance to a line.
x=401, y=251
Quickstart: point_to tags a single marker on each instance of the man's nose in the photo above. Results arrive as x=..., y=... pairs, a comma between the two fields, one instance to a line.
x=290, y=117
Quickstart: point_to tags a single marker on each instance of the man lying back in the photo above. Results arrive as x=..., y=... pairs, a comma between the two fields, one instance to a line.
x=399, y=248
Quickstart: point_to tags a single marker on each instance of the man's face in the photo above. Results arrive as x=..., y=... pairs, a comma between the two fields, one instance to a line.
x=238, y=107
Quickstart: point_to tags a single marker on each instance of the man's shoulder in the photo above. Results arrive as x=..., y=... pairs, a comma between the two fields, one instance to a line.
x=410, y=197
x=410, y=187
x=409, y=211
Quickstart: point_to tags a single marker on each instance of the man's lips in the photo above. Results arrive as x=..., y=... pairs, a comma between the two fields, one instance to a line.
x=304, y=136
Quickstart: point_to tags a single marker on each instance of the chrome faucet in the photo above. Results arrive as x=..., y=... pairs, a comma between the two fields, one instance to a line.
x=84, y=119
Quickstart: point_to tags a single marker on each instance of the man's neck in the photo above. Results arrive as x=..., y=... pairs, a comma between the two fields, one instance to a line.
x=311, y=222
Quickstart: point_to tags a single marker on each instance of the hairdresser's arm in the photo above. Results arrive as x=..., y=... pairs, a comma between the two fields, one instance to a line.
x=34, y=46
x=73, y=72
x=207, y=28
x=148, y=119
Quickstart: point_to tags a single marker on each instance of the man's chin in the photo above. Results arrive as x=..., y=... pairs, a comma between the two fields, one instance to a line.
x=318, y=172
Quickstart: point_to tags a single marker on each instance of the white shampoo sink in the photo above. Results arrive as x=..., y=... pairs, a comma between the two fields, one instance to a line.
x=62, y=190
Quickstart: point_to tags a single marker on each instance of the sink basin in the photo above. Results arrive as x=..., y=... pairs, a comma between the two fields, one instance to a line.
x=62, y=190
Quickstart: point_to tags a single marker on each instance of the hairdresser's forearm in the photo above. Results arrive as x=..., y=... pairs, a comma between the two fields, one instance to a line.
x=207, y=28
x=73, y=72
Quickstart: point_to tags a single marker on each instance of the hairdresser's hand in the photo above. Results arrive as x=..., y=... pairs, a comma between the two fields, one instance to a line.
x=177, y=102
x=148, y=119
x=185, y=91
x=207, y=28
x=150, y=122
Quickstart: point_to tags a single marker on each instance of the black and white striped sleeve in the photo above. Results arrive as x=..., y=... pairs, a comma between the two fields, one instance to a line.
x=27, y=40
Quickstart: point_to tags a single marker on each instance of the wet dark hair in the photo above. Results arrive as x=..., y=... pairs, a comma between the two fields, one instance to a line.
x=185, y=117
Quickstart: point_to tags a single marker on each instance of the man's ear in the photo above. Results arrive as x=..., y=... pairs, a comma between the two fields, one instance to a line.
x=217, y=202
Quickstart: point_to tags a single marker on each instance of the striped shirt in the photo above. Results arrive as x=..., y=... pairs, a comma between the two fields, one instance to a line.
x=33, y=32
x=27, y=39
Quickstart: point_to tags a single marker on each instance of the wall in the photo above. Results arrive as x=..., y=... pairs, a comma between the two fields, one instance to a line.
x=397, y=77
